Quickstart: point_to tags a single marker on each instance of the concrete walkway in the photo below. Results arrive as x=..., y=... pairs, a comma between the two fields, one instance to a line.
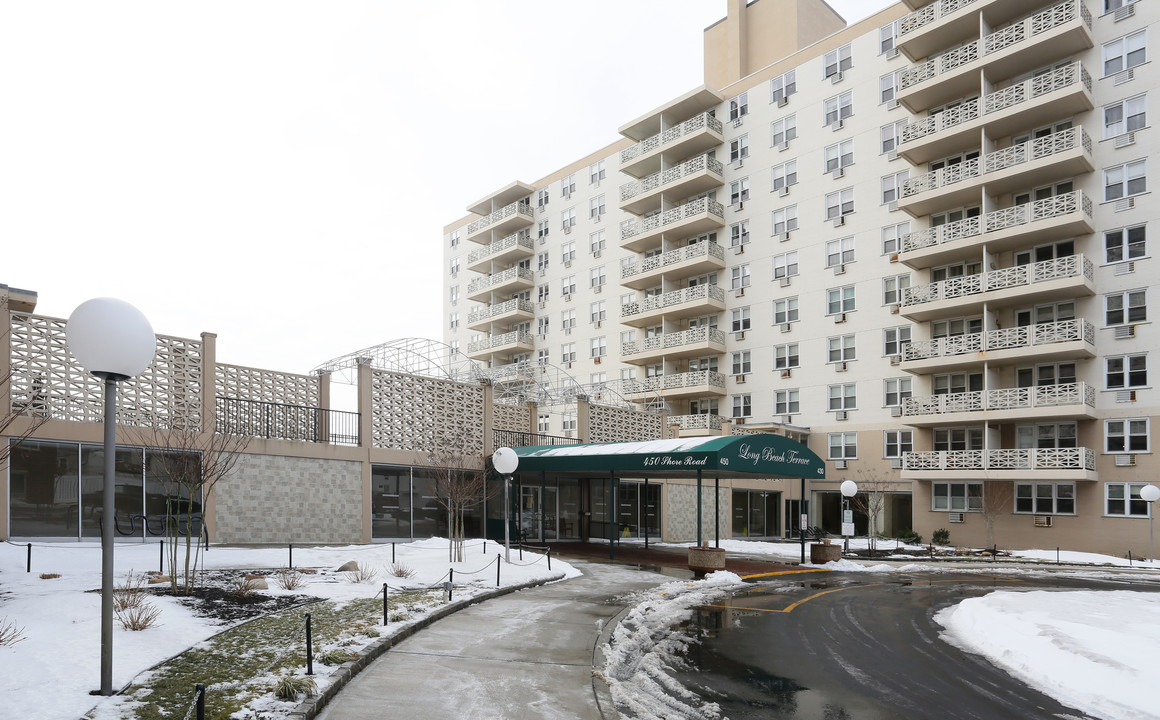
x=524, y=655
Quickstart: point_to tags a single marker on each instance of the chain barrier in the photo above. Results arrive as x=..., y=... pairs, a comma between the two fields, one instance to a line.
x=476, y=572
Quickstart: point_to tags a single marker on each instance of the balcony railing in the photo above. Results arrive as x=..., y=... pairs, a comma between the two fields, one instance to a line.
x=677, y=381
x=925, y=15
x=996, y=101
x=1024, y=398
x=666, y=341
x=672, y=257
x=647, y=184
x=1025, y=152
x=275, y=421
x=523, y=238
x=499, y=278
x=515, y=438
x=1002, y=339
x=697, y=422
x=633, y=228
x=676, y=297
x=690, y=126
x=498, y=309
x=1018, y=276
x=508, y=338
x=1031, y=459
x=521, y=207
x=1037, y=24
x=1013, y=216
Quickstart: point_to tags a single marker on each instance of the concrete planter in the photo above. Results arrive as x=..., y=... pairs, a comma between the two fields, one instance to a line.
x=821, y=554
x=706, y=559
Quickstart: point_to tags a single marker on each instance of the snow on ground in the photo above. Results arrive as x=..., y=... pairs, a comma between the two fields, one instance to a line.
x=61, y=617
x=1095, y=651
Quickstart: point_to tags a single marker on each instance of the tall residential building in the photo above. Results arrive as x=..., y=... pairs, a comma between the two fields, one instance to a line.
x=918, y=243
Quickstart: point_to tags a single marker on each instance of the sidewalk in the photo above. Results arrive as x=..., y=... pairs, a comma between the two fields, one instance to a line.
x=663, y=557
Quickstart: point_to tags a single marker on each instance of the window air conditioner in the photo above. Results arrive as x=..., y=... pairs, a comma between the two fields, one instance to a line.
x=739, y=421
x=837, y=125
x=567, y=331
x=739, y=250
x=840, y=221
x=782, y=101
x=785, y=281
x=596, y=360
x=1124, y=76
x=567, y=229
x=543, y=304
x=1042, y=521
x=739, y=292
x=892, y=206
x=567, y=297
x=1124, y=396
x=891, y=104
x=597, y=324
x=783, y=191
x=739, y=335
x=839, y=318
x=956, y=517
x=896, y=463
x=738, y=163
x=836, y=77
x=895, y=309
x=787, y=419
x=895, y=359
x=840, y=415
x=786, y=373
x=598, y=289
x=1125, y=12
x=838, y=172
x=891, y=53
x=785, y=327
x=596, y=253
x=740, y=379
x=1125, y=268
x=841, y=464
x=1125, y=331
x=567, y=263
x=1125, y=139
x=783, y=147
x=737, y=121
x=1125, y=461
x=739, y=205
x=1125, y=204
x=840, y=366
x=839, y=269
x=896, y=411
x=892, y=155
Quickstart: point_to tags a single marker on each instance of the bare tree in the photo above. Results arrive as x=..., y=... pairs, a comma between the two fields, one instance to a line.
x=460, y=484
x=997, y=499
x=871, y=501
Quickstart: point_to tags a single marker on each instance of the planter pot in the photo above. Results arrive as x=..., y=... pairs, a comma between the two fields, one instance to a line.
x=822, y=554
x=706, y=559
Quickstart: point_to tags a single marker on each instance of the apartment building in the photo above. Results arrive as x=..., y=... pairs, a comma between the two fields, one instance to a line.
x=917, y=243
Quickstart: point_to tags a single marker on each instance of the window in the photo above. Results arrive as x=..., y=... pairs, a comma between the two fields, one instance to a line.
x=887, y=87
x=454, y=266
x=843, y=446
x=542, y=356
x=784, y=175
x=542, y=197
x=738, y=191
x=886, y=37
x=840, y=251
x=739, y=277
x=784, y=220
x=892, y=186
x=956, y=496
x=568, y=251
x=568, y=186
x=702, y=407
x=599, y=378
x=839, y=155
x=1125, y=180
x=1124, y=499
x=839, y=204
x=543, y=422
x=741, y=364
x=892, y=288
x=785, y=311
x=542, y=324
x=786, y=402
x=890, y=135
x=595, y=172
x=742, y=406
x=1125, y=116
x=892, y=237
x=840, y=300
x=740, y=320
x=568, y=218
x=1126, y=371
x=454, y=294
x=596, y=277
x=837, y=61
x=568, y=352
x=1126, y=52
x=568, y=319
x=951, y=439
x=597, y=311
x=739, y=234
x=542, y=261
x=739, y=148
x=1127, y=307
x=598, y=347
x=596, y=208
x=453, y=321
x=785, y=265
x=568, y=285
x=1045, y=498
x=838, y=108
x=568, y=422
x=1110, y=5
x=895, y=390
x=596, y=241
x=781, y=87
x=1062, y=373
x=843, y=397
x=1124, y=244
x=1126, y=435
x=894, y=338
x=782, y=131
x=786, y=357
x=542, y=293
x=542, y=229
x=1046, y=436
x=455, y=238
x=841, y=348
x=896, y=443
x=739, y=106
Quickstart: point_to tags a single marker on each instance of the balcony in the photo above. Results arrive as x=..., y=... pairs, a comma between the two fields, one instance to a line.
x=692, y=218
x=692, y=137
x=507, y=219
x=1035, y=41
x=512, y=311
x=1030, y=464
x=1046, y=342
x=695, y=342
x=1036, y=101
x=949, y=22
x=697, y=383
x=1070, y=401
x=1030, y=164
x=504, y=282
x=697, y=259
x=696, y=176
x=693, y=425
x=506, y=251
x=689, y=302
x=500, y=344
x=1046, y=281
x=1053, y=218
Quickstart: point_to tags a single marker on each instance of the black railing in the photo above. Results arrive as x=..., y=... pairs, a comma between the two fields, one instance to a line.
x=513, y=438
x=255, y=418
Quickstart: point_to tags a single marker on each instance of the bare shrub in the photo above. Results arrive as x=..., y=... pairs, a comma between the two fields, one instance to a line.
x=130, y=593
x=362, y=575
x=243, y=587
x=401, y=570
x=10, y=634
x=290, y=580
x=140, y=617
x=49, y=576
x=290, y=686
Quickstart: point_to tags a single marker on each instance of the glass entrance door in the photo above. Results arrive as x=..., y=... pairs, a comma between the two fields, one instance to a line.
x=530, y=529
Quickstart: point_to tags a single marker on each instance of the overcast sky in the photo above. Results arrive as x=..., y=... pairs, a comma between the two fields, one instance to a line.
x=280, y=172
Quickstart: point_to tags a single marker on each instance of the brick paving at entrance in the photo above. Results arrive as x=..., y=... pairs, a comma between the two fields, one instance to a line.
x=662, y=557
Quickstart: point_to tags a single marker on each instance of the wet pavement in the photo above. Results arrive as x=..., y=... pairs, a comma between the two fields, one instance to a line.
x=672, y=558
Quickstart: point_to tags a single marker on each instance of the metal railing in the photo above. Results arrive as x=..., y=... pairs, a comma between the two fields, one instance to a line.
x=514, y=438
x=255, y=418
x=697, y=422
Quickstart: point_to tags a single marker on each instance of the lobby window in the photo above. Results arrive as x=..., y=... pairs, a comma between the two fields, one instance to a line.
x=896, y=443
x=742, y=406
x=1125, y=116
x=782, y=86
x=1126, y=307
x=785, y=265
x=843, y=446
x=783, y=130
x=839, y=204
x=894, y=338
x=786, y=357
x=892, y=288
x=1123, y=499
x=786, y=402
x=739, y=106
x=785, y=219
x=843, y=397
x=785, y=311
x=1126, y=435
x=895, y=390
x=836, y=61
x=837, y=108
x=1126, y=52
x=956, y=496
x=1045, y=498
x=784, y=175
x=840, y=348
x=1126, y=371
x=739, y=234
x=1125, y=244
x=1126, y=180
x=740, y=321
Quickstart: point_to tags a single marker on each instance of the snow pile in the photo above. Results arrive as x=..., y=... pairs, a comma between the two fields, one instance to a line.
x=644, y=647
x=1092, y=650
x=850, y=566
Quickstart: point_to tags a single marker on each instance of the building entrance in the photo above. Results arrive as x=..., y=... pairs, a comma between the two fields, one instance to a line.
x=550, y=512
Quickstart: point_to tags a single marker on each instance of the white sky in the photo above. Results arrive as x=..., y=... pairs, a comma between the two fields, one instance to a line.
x=263, y=169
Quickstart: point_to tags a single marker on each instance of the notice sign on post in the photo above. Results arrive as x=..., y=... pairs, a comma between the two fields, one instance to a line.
x=847, y=517
x=847, y=528
x=805, y=521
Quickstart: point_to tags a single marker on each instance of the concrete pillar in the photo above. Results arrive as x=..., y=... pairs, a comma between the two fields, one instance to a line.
x=583, y=418
x=209, y=393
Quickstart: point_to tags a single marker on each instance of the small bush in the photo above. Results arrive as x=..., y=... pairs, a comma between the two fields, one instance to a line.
x=942, y=536
x=10, y=634
x=140, y=617
x=291, y=580
x=362, y=575
x=243, y=587
x=49, y=576
x=401, y=571
x=130, y=593
x=399, y=617
x=910, y=537
x=291, y=686
x=335, y=657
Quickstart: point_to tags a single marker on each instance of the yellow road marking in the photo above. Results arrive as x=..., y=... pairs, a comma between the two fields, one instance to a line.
x=791, y=607
x=785, y=572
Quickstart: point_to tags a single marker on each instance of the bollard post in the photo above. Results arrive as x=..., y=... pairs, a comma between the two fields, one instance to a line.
x=497, y=570
x=309, y=648
x=386, y=616
x=451, y=575
x=29, y=558
x=521, y=552
x=485, y=546
x=161, y=556
x=549, y=559
x=392, y=553
x=1057, y=555
x=200, y=690
x=291, y=565
x=931, y=548
x=1129, y=558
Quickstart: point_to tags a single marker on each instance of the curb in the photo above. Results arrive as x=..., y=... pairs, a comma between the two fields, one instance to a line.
x=309, y=708
x=600, y=688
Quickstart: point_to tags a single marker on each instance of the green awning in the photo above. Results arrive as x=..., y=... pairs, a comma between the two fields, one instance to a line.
x=732, y=456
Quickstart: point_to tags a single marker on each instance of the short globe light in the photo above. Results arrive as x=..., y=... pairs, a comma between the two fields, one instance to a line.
x=110, y=336
x=505, y=460
x=1150, y=493
x=849, y=489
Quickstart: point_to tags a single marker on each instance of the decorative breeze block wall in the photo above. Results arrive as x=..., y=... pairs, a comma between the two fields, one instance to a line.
x=411, y=412
x=615, y=424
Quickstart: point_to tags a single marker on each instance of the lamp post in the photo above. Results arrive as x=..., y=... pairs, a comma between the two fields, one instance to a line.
x=849, y=489
x=112, y=340
x=1150, y=494
x=506, y=461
